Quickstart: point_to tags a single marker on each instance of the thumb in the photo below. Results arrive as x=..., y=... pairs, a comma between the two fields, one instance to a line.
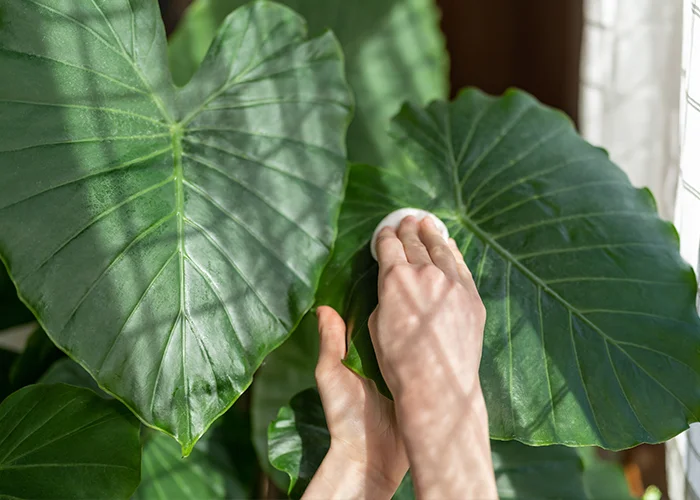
x=331, y=329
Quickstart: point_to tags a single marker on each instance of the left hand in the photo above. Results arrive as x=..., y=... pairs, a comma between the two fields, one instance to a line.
x=365, y=439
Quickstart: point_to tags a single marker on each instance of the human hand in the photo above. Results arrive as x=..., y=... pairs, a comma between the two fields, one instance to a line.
x=367, y=458
x=429, y=314
x=427, y=332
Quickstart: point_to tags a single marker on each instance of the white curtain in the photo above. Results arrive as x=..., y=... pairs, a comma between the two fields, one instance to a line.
x=683, y=453
x=637, y=55
x=631, y=66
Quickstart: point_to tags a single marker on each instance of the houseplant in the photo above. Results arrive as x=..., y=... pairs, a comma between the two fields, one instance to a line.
x=168, y=239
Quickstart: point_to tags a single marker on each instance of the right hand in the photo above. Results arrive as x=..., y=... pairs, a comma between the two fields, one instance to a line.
x=428, y=328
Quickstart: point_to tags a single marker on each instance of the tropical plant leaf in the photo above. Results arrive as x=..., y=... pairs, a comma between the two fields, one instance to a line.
x=299, y=440
x=602, y=478
x=206, y=473
x=12, y=311
x=592, y=336
x=222, y=464
x=286, y=372
x=394, y=52
x=58, y=441
x=38, y=356
x=183, y=231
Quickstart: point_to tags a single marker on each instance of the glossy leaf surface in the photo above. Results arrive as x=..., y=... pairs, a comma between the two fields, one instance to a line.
x=592, y=336
x=182, y=231
x=394, y=52
x=299, y=440
x=58, y=441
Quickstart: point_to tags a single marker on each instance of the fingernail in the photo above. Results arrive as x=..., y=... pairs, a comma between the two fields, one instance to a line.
x=428, y=221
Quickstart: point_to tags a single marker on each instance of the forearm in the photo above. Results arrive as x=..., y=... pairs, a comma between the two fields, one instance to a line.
x=342, y=478
x=448, y=445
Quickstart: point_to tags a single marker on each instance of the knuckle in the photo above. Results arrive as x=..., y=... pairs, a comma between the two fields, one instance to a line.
x=442, y=252
x=480, y=311
x=432, y=273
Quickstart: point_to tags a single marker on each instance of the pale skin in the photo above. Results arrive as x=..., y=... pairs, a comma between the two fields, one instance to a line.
x=427, y=332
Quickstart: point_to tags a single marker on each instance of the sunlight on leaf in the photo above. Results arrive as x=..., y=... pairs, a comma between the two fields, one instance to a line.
x=168, y=239
x=592, y=337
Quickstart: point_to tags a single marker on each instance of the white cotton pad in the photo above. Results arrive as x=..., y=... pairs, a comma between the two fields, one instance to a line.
x=394, y=219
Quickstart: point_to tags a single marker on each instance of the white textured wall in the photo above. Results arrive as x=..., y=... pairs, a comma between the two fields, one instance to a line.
x=683, y=453
x=629, y=93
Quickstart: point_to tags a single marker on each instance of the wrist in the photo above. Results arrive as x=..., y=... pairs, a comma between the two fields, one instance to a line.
x=419, y=409
x=382, y=479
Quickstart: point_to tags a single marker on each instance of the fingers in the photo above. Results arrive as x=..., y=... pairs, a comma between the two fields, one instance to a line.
x=416, y=253
x=389, y=249
x=465, y=274
x=331, y=329
x=440, y=253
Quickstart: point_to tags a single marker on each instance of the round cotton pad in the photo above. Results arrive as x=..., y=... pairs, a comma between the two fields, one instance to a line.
x=394, y=219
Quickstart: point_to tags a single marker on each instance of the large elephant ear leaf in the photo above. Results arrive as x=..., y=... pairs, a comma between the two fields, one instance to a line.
x=58, y=441
x=167, y=239
x=592, y=336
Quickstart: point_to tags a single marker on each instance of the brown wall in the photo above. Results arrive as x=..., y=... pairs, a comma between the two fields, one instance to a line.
x=531, y=44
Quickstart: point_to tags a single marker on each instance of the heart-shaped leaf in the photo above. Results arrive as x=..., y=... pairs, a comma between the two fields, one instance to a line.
x=394, y=52
x=299, y=440
x=58, y=441
x=168, y=239
x=592, y=336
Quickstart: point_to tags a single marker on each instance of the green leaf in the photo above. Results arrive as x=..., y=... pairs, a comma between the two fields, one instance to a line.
x=287, y=371
x=394, y=51
x=182, y=231
x=603, y=478
x=299, y=440
x=592, y=336
x=58, y=441
x=38, y=356
x=206, y=473
x=12, y=311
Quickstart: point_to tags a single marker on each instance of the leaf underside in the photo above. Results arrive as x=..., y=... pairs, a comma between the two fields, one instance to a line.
x=592, y=336
x=58, y=441
x=167, y=238
x=298, y=441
